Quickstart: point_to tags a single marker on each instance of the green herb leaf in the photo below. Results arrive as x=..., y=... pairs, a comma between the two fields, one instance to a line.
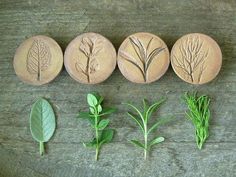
x=84, y=115
x=90, y=144
x=91, y=120
x=103, y=124
x=91, y=109
x=153, y=107
x=100, y=99
x=99, y=108
x=107, y=111
x=88, y=116
x=136, y=120
x=137, y=143
x=136, y=109
x=145, y=107
x=199, y=114
x=42, y=122
x=156, y=141
x=92, y=100
x=106, y=136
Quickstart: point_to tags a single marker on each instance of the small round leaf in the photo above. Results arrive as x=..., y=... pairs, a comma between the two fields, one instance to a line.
x=92, y=100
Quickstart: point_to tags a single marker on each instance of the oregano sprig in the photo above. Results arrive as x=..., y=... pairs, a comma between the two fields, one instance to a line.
x=199, y=114
x=142, y=118
x=96, y=112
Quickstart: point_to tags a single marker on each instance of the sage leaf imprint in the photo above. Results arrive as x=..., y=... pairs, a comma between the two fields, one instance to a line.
x=42, y=122
x=38, y=58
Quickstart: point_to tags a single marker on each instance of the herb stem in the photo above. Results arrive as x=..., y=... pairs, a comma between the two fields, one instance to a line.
x=96, y=156
x=101, y=134
x=41, y=148
x=145, y=154
x=96, y=133
x=145, y=141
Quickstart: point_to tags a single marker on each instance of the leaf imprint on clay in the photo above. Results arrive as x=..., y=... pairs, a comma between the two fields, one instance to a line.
x=90, y=47
x=192, y=58
x=38, y=58
x=144, y=57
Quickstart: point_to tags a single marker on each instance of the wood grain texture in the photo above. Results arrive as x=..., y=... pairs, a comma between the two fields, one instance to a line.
x=63, y=20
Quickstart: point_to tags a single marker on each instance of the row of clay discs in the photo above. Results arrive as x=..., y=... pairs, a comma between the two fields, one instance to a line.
x=91, y=58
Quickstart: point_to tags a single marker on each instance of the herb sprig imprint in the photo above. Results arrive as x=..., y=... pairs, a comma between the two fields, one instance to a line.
x=199, y=114
x=142, y=118
x=96, y=112
x=144, y=57
x=90, y=47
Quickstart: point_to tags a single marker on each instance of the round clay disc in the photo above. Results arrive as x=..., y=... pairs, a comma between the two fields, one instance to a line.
x=196, y=58
x=143, y=58
x=38, y=60
x=90, y=58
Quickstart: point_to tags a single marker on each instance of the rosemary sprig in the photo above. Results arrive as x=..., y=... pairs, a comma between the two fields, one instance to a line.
x=142, y=119
x=199, y=114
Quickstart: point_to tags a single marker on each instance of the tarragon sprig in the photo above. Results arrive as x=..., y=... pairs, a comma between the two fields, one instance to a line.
x=142, y=118
x=95, y=114
x=199, y=114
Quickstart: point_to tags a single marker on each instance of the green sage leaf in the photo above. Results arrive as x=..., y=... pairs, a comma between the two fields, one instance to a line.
x=42, y=122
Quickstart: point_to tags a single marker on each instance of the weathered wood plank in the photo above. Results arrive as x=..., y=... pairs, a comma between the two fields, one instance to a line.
x=63, y=20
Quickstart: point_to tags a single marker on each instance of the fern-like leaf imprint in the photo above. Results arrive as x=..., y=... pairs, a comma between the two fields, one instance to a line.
x=192, y=58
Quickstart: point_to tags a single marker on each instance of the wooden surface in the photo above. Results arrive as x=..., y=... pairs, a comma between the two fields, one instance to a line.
x=66, y=156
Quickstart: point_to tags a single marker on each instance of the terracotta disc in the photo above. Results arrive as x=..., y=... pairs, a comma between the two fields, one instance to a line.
x=143, y=58
x=196, y=58
x=90, y=58
x=38, y=60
